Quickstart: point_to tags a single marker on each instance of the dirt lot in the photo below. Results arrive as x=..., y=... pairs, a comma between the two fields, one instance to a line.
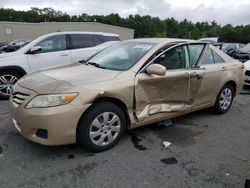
x=207, y=150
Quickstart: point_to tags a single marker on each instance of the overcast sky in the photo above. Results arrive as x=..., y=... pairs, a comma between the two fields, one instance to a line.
x=235, y=12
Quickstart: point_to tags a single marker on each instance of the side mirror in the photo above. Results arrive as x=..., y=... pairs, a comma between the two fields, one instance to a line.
x=82, y=61
x=156, y=69
x=35, y=49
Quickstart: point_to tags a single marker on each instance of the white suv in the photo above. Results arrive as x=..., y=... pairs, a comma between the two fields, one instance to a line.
x=49, y=50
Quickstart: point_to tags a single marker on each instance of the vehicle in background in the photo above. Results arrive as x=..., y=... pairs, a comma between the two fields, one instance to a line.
x=218, y=45
x=127, y=85
x=243, y=54
x=14, y=45
x=247, y=77
x=224, y=46
x=213, y=41
x=2, y=44
x=53, y=49
x=231, y=48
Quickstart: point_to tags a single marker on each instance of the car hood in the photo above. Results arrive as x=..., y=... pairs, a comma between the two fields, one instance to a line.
x=39, y=83
x=4, y=55
x=74, y=75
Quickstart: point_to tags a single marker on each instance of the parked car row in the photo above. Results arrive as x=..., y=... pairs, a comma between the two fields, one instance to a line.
x=240, y=52
x=243, y=54
x=59, y=48
x=126, y=85
x=14, y=45
x=231, y=48
x=247, y=77
x=237, y=51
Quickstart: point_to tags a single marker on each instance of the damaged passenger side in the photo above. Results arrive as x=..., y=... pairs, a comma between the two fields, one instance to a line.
x=171, y=92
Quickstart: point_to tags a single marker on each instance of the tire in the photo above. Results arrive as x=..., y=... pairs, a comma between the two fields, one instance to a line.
x=7, y=80
x=98, y=121
x=247, y=183
x=224, y=99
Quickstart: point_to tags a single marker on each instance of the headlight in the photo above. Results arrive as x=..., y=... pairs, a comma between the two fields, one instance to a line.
x=43, y=101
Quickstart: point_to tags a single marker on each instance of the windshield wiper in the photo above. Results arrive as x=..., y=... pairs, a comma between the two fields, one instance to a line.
x=96, y=65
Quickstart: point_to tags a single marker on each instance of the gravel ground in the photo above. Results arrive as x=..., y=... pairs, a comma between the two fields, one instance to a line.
x=207, y=150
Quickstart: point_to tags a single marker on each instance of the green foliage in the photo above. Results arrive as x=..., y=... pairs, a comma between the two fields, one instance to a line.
x=144, y=26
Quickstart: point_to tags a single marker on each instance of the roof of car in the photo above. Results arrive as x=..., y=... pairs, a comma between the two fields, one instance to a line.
x=166, y=40
x=84, y=32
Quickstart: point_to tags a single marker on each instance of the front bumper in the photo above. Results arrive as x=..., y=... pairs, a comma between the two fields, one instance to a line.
x=60, y=122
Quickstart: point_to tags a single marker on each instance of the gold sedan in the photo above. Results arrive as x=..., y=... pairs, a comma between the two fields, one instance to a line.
x=127, y=85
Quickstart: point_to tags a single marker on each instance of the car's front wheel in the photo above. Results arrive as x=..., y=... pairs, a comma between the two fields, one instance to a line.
x=101, y=127
x=224, y=99
x=7, y=80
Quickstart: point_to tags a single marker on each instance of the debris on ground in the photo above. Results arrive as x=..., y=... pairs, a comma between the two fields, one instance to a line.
x=136, y=141
x=168, y=123
x=166, y=144
x=169, y=161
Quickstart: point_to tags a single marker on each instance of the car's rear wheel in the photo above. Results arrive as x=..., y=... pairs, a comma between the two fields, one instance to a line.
x=7, y=80
x=224, y=99
x=101, y=127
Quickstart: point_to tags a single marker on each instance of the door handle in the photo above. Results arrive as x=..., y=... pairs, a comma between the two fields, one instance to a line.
x=63, y=55
x=223, y=69
x=195, y=76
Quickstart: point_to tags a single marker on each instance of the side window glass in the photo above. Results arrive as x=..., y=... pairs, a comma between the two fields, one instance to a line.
x=195, y=52
x=101, y=38
x=53, y=44
x=82, y=41
x=208, y=58
x=97, y=39
x=175, y=58
x=217, y=58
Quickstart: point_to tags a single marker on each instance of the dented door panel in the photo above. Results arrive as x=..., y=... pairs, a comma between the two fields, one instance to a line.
x=196, y=77
x=161, y=94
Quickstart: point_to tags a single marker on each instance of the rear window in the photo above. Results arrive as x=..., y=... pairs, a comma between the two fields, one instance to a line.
x=82, y=41
x=99, y=39
x=211, y=57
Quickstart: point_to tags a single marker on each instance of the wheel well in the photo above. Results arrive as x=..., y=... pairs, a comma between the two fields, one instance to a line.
x=233, y=84
x=14, y=68
x=116, y=101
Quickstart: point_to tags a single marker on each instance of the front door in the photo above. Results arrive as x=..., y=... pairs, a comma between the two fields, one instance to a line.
x=164, y=94
x=53, y=52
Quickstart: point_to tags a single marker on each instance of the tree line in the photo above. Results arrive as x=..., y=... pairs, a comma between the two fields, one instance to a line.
x=144, y=26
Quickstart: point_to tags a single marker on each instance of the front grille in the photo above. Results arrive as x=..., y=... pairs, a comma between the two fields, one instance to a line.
x=18, y=98
x=248, y=73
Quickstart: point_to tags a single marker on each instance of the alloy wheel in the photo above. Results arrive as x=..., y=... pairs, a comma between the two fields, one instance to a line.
x=7, y=82
x=105, y=128
x=225, y=98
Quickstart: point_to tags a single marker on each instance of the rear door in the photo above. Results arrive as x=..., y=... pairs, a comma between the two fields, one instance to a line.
x=164, y=94
x=214, y=76
x=54, y=52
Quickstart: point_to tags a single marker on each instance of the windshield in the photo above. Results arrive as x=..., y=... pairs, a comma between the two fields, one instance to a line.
x=121, y=56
